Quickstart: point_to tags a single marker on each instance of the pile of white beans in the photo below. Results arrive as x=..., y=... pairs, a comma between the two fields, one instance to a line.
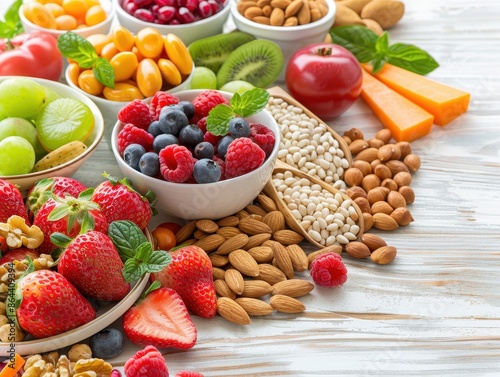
x=307, y=144
x=329, y=218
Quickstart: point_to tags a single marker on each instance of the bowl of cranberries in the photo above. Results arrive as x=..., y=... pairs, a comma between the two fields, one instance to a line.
x=189, y=19
x=204, y=153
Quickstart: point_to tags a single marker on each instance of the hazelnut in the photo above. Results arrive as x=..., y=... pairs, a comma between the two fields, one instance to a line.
x=347, y=140
x=354, y=134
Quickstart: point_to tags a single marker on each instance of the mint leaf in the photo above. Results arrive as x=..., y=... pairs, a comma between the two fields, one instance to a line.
x=411, y=58
x=382, y=44
x=127, y=237
x=75, y=47
x=218, y=119
x=11, y=24
x=358, y=39
x=250, y=102
x=145, y=261
x=104, y=72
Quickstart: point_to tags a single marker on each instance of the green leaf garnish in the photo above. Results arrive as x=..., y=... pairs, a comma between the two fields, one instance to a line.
x=145, y=261
x=368, y=47
x=75, y=47
x=247, y=104
x=11, y=24
x=127, y=238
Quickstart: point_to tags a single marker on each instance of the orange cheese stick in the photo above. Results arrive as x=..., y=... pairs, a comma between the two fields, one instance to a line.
x=12, y=367
x=406, y=120
x=441, y=100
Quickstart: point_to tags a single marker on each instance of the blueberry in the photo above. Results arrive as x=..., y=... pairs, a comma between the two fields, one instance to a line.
x=107, y=343
x=161, y=141
x=206, y=171
x=172, y=119
x=132, y=154
x=187, y=107
x=223, y=144
x=204, y=150
x=239, y=127
x=154, y=128
x=149, y=164
x=190, y=135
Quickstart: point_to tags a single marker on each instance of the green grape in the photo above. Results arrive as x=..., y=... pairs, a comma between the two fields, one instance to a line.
x=237, y=86
x=50, y=95
x=203, y=78
x=18, y=127
x=17, y=156
x=21, y=97
x=62, y=121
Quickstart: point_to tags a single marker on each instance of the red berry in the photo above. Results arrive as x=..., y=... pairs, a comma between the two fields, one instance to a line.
x=263, y=137
x=146, y=362
x=222, y=165
x=137, y=113
x=176, y=163
x=242, y=157
x=206, y=101
x=160, y=100
x=328, y=270
x=131, y=134
x=187, y=373
x=202, y=124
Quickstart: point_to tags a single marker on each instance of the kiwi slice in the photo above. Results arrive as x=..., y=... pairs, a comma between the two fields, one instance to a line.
x=258, y=62
x=212, y=51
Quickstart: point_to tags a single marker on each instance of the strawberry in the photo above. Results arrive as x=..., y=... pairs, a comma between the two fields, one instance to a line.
x=190, y=274
x=45, y=188
x=70, y=216
x=18, y=254
x=119, y=201
x=49, y=304
x=11, y=202
x=160, y=319
x=93, y=265
x=146, y=362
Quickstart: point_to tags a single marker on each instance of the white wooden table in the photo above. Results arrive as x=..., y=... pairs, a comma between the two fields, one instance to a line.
x=434, y=311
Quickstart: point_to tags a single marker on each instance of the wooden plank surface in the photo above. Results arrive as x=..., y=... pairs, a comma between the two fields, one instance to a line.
x=434, y=311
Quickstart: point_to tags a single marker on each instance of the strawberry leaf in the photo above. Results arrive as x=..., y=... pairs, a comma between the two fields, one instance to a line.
x=127, y=238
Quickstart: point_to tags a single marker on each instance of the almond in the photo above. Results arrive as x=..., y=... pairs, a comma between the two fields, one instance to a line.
x=293, y=8
x=412, y=162
x=298, y=257
x=304, y=14
x=207, y=226
x=228, y=221
x=218, y=273
x=384, y=255
x=242, y=214
x=185, y=232
x=396, y=166
x=353, y=176
x=402, y=215
x=262, y=254
x=372, y=241
x=275, y=220
x=254, y=209
x=293, y=288
x=218, y=260
x=243, y=262
x=223, y=290
x=386, y=12
x=291, y=21
x=368, y=155
x=405, y=148
x=210, y=242
x=277, y=17
x=280, y=3
x=288, y=237
x=367, y=221
x=244, y=5
x=234, y=280
x=256, y=288
x=357, y=249
x=357, y=146
x=381, y=221
x=254, y=306
x=267, y=203
x=377, y=194
x=283, y=260
x=233, y=243
x=396, y=200
x=381, y=207
x=264, y=20
x=232, y=311
x=199, y=234
x=332, y=248
x=270, y=273
x=407, y=193
x=252, y=12
x=228, y=231
x=251, y=226
x=286, y=304
x=256, y=240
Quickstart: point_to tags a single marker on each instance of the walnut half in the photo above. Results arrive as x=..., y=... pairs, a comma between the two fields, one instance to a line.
x=17, y=233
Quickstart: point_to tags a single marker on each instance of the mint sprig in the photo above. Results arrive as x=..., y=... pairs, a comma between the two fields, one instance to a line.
x=11, y=25
x=75, y=47
x=243, y=105
x=368, y=47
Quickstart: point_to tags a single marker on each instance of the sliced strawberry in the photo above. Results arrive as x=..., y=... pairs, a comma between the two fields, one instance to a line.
x=160, y=319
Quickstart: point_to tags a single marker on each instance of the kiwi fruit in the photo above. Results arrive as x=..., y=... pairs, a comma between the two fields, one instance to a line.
x=258, y=62
x=212, y=51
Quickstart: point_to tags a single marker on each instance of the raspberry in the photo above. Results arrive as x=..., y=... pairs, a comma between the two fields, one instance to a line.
x=176, y=163
x=137, y=113
x=222, y=165
x=206, y=101
x=159, y=100
x=328, y=270
x=202, y=124
x=146, y=362
x=187, y=373
x=211, y=138
x=131, y=134
x=243, y=156
x=263, y=137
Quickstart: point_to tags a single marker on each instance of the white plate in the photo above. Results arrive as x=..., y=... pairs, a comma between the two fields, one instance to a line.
x=105, y=317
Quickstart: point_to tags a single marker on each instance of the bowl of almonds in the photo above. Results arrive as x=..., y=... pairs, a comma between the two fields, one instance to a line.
x=292, y=24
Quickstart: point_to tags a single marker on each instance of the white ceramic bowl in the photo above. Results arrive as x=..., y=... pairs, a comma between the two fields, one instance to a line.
x=209, y=200
x=110, y=109
x=188, y=33
x=26, y=181
x=101, y=28
x=289, y=38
